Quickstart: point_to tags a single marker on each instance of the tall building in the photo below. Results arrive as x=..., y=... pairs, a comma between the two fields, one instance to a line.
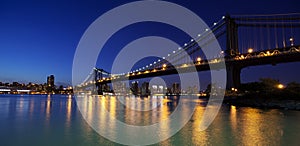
x=135, y=88
x=145, y=89
x=175, y=88
x=50, y=83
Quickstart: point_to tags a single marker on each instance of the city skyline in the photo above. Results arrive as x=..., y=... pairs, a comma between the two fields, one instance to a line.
x=40, y=38
x=149, y=72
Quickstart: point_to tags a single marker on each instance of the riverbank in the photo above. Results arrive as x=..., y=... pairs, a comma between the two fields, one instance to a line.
x=265, y=101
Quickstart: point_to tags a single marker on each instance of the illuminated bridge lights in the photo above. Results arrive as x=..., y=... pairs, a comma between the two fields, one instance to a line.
x=250, y=50
x=199, y=59
x=184, y=65
x=215, y=61
x=275, y=52
x=293, y=49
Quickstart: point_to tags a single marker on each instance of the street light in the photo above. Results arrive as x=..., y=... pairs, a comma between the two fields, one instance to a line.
x=164, y=65
x=280, y=86
x=250, y=50
x=292, y=41
x=198, y=59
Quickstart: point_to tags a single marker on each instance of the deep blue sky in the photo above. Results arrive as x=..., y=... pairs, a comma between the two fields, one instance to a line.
x=39, y=37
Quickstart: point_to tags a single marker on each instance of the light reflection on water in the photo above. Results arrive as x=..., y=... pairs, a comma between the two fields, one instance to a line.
x=56, y=120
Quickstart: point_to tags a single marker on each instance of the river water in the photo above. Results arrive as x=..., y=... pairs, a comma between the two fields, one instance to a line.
x=56, y=120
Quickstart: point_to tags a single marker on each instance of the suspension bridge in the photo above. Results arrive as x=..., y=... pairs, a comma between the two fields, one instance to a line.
x=246, y=40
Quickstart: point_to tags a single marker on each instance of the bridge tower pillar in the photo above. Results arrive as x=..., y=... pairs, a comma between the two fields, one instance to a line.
x=233, y=76
x=98, y=76
x=231, y=36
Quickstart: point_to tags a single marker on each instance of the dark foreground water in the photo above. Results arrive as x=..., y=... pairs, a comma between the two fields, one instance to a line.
x=55, y=120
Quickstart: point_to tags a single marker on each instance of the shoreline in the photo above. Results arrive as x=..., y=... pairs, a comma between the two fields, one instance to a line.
x=264, y=102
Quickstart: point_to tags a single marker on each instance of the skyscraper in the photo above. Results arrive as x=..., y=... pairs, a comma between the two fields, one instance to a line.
x=50, y=83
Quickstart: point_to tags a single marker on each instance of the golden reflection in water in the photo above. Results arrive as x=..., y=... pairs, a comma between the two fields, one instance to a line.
x=233, y=118
x=48, y=107
x=251, y=127
x=130, y=115
x=157, y=104
x=105, y=106
x=185, y=105
x=89, y=109
x=255, y=130
x=112, y=112
x=68, y=112
x=164, y=120
x=102, y=117
x=147, y=108
x=138, y=114
x=198, y=137
x=164, y=109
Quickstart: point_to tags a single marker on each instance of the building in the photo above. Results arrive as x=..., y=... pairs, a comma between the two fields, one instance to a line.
x=119, y=88
x=145, y=89
x=157, y=89
x=50, y=84
x=50, y=81
x=175, y=89
x=135, y=88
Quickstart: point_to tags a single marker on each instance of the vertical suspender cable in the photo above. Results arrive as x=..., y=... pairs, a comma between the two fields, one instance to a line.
x=283, y=35
x=275, y=31
x=268, y=30
x=261, y=39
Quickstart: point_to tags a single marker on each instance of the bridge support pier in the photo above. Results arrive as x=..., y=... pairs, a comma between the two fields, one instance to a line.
x=233, y=76
x=98, y=75
x=99, y=89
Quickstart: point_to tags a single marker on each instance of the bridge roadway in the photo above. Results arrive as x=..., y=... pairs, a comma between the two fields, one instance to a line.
x=233, y=65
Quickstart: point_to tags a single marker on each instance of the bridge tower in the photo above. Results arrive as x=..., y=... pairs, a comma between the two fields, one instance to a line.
x=99, y=76
x=232, y=49
x=233, y=76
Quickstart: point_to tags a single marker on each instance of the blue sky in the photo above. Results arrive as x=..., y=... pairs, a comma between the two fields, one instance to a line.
x=39, y=38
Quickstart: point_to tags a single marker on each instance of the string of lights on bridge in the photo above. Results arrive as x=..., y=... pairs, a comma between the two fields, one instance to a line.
x=250, y=50
x=250, y=53
x=144, y=68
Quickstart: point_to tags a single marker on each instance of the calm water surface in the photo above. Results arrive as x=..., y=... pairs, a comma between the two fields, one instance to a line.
x=55, y=120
